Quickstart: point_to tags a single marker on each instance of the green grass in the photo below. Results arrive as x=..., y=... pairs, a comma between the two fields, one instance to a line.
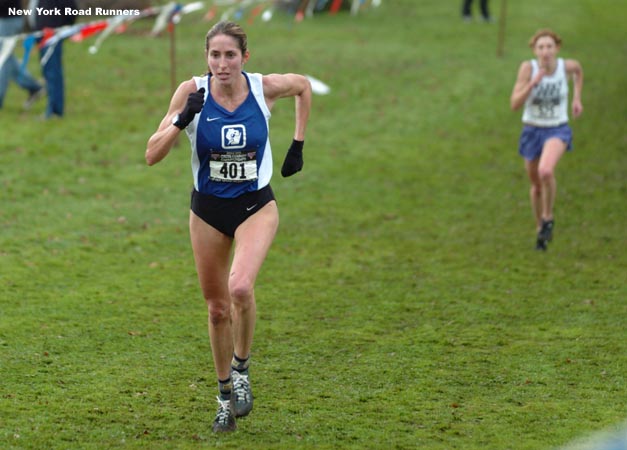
x=402, y=304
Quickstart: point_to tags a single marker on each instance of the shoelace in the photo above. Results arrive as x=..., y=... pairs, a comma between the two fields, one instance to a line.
x=240, y=386
x=224, y=411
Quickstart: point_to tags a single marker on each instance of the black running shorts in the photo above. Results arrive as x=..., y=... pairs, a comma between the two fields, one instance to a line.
x=226, y=214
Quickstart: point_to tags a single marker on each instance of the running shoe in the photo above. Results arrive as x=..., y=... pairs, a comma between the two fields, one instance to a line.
x=242, y=395
x=224, y=421
x=540, y=244
x=546, y=232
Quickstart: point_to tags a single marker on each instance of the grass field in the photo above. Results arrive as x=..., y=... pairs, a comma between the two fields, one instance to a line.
x=402, y=305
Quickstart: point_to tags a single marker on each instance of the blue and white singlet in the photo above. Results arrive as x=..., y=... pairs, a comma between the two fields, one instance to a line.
x=231, y=152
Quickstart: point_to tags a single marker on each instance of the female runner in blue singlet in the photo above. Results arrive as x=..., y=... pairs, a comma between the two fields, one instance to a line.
x=225, y=115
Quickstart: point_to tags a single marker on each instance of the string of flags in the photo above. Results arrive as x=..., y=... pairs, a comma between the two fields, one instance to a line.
x=50, y=37
x=300, y=9
x=167, y=16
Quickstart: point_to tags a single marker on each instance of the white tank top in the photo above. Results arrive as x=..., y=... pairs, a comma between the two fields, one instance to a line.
x=547, y=105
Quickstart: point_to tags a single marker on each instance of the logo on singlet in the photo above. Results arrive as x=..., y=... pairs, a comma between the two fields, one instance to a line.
x=546, y=99
x=233, y=137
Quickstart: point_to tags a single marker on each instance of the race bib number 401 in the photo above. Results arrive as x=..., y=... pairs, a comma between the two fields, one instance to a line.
x=233, y=167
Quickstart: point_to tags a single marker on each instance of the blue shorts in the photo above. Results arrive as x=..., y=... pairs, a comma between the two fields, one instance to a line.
x=532, y=139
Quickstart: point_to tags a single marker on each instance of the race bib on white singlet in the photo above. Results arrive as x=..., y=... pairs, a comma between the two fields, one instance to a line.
x=233, y=167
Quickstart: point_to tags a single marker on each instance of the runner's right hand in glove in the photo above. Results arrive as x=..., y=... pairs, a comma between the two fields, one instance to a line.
x=195, y=100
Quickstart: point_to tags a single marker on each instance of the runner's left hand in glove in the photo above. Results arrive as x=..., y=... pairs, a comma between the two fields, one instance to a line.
x=294, y=159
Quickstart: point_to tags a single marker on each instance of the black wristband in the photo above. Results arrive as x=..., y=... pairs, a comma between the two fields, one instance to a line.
x=177, y=122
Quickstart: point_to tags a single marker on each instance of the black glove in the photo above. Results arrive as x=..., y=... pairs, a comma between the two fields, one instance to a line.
x=294, y=159
x=193, y=107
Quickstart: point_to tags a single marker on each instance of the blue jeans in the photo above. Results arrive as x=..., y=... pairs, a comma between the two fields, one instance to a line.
x=11, y=69
x=53, y=73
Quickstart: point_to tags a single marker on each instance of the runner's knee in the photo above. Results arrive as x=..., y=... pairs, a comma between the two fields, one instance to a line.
x=219, y=312
x=545, y=173
x=242, y=291
x=536, y=189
